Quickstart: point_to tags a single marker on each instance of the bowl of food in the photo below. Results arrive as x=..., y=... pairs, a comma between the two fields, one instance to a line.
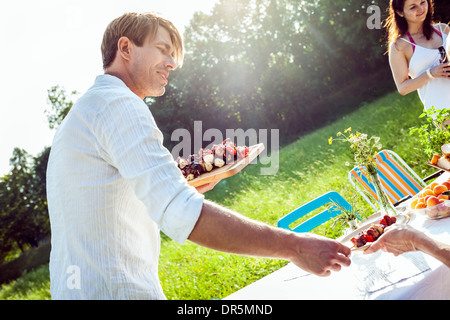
x=433, y=201
x=440, y=210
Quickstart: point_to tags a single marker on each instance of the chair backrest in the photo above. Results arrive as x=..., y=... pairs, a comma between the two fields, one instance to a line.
x=312, y=205
x=397, y=178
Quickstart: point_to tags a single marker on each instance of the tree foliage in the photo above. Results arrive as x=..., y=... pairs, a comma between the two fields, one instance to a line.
x=60, y=103
x=23, y=207
x=286, y=64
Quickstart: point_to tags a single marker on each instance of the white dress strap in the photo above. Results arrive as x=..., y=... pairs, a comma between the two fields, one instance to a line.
x=443, y=35
x=408, y=41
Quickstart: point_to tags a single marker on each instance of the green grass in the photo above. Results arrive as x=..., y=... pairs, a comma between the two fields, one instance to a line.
x=308, y=168
x=34, y=285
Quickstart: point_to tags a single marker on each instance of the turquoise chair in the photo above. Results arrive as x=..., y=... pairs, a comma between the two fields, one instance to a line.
x=312, y=205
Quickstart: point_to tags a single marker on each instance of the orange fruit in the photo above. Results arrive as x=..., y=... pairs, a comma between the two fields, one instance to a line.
x=432, y=201
x=447, y=184
x=427, y=192
x=432, y=185
x=414, y=203
x=443, y=197
x=420, y=206
x=439, y=189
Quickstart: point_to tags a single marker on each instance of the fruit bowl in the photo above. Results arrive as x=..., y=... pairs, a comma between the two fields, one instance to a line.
x=433, y=201
x=437, y=211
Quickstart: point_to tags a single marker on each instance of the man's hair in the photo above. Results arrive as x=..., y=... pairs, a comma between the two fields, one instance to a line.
x=136, y=27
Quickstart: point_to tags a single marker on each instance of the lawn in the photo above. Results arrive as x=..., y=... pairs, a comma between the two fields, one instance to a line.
x=308, y=168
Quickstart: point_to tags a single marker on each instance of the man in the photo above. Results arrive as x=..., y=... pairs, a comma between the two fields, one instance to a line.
x=112, y=186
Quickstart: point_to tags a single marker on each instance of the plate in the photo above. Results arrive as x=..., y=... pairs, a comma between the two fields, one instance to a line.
x=228, y=170
x=366, y=224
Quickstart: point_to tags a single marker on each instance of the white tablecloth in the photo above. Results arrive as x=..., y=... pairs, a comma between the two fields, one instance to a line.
x=381, y=275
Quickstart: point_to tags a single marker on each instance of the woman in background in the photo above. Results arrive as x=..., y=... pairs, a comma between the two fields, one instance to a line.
x=417, y=53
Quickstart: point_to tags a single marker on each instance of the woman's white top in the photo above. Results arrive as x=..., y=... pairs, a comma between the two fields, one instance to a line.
x=111, y=187
x=437, y=91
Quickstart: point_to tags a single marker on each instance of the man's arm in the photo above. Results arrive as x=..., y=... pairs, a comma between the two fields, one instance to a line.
x=221, y=229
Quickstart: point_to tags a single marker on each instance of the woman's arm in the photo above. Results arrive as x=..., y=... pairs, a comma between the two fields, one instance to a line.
x=400, y=70
x=399, y=239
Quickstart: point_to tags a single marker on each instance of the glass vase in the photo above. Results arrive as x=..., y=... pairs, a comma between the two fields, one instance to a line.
x=386, y=207
x=352, y=224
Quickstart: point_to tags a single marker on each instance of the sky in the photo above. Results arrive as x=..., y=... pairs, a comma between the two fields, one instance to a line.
x=57, y=42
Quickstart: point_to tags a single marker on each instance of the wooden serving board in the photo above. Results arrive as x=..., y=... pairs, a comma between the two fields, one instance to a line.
x=228, y=170
x=437, y=167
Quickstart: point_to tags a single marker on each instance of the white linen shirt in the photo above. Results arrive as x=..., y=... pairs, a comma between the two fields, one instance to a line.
x=111, y=187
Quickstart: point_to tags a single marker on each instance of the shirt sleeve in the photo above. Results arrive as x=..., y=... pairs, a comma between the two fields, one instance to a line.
x=132, y=142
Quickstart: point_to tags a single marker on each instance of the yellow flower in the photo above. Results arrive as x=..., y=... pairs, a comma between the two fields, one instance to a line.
x=330, y=141
x=348, y=129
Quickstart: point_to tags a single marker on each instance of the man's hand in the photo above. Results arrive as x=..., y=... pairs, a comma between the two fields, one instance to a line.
x=320, y=255
x=207, y=187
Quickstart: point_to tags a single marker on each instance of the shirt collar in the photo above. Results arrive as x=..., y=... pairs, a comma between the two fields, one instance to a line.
x=109, y=79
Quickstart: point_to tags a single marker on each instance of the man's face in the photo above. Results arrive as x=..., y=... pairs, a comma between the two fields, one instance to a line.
x=151, y=63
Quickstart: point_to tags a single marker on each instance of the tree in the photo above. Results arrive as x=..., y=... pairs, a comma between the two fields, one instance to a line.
x=23, y=208
x=286, y=64
x=61, y=102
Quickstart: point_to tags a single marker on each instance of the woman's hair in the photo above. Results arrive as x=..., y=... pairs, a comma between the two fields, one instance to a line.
x=397, y=26
x=137, y=27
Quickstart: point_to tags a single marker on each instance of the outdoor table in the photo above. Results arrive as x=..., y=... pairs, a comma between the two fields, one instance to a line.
x=381, y=275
